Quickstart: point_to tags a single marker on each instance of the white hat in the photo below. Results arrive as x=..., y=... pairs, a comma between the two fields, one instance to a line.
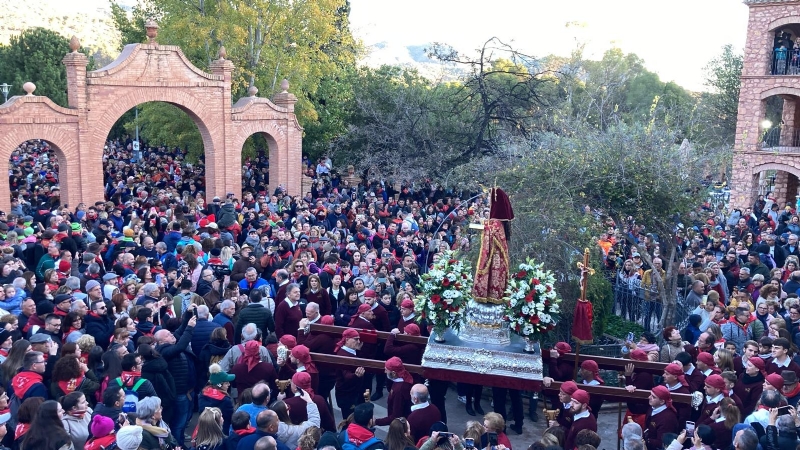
x=129, y=437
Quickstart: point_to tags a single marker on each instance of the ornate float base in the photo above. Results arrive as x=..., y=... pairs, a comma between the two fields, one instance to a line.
x=483, y=324
x=477, y=360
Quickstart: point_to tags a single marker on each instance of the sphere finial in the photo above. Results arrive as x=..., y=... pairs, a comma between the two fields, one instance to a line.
x=29, y=87
x=74, y=44
x=223, y=54
x=252, y=91
x=285, y=85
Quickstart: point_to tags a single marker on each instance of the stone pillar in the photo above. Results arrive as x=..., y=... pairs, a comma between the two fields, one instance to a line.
x=789, y=125
x=781, y=186
x=229, y=179
x=290, y=149
x=85, y=168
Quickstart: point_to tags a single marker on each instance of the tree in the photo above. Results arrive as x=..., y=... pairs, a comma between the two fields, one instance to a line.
x=721, y=105
x=168, y=125
x=35, y=55
x=131, y=27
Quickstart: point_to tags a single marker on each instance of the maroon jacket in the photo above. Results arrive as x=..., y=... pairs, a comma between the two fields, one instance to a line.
x=421, y=420
x=287, y=319
x=321, y=298
x=298, y=413
x=368, y=350
x=347, y=383
x=586, y=423
x=398, y=404
x=381, y=320
x=641, y=381
x=696, y=380
x=749, y=389
x=657, y=426
x=316, y=342
x=409, y=353
x=773, y=368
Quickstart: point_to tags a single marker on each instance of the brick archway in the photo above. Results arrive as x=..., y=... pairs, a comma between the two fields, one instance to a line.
x=146, y=73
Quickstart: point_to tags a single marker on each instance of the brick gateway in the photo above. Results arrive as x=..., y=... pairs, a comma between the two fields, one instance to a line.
x=147, y=73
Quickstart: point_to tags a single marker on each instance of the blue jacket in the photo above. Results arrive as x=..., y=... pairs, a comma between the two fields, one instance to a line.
x=169, y=261
x=249, y=442
x=202, y=334
x=245, y=286
x=101, y=327
x=171, y=239
x=12, y=305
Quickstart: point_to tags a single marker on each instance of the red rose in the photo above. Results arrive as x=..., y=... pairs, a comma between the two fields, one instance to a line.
x=452, y=261
x=446, y=282
x=522, y=274
x=535, y=282
x=458, y=285
x=435, y=298
x=529, y=297
x=535, y=320
x=549, y=288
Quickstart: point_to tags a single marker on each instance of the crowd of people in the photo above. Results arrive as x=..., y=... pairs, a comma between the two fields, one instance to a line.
x=124, y=319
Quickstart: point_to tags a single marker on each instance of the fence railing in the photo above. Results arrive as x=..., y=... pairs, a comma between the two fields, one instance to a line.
x=635, y=304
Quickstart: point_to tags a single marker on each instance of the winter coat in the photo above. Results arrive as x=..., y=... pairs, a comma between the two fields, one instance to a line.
x=213, y=397
x=78, y=428
x=345, y=312
x=202, y=334
x=254, y=313
x=177, y=361
x=157, y=371
x=101, y=327
x=226, y=216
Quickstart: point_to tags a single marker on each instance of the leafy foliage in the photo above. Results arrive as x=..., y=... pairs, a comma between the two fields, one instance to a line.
x=35, y=55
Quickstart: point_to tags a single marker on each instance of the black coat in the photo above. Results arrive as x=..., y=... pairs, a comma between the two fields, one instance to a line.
x=178, y=362
x=101, y=327
x=157, y=371
x=254, y=313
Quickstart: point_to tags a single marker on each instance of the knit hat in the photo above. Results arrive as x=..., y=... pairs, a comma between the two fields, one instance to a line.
x=717, y=382
x=45, y=307
x=775, y=380
x=581, y=396
x=706, y=358
x=64, y=266
x=4, y=335
x=759, y=363
x=91, y=284
x=129, y=437
x=326, y=320
x=569, y=387
x=128, y=232
x=288, y=340
x=218, y=376
x=395, y=365
x=303, y=381
x=302, y=354
x=663, y=393
x=349, y=333
x=101, y=426
x=592, y=367
x=75, y=226
x=407, y=304
x=638, y=355
x=563, y=348
x=411, y=329
x=370, y=293
x=363, y=414
x=676, y=370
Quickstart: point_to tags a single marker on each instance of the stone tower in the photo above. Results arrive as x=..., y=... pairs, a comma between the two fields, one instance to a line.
x=767, y=149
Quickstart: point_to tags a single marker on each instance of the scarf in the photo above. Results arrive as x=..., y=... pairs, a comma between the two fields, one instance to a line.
x=77, y=414
x=20, y=430
x=250, y=355
x=245, y=431
x=71, y=385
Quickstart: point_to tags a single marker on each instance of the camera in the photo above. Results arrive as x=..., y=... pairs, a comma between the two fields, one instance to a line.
x=220, y=270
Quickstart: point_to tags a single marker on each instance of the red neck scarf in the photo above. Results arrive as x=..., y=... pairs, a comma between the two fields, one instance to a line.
x=20, y=430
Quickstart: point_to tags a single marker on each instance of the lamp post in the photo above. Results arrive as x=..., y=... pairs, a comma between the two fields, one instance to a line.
x=5, y=87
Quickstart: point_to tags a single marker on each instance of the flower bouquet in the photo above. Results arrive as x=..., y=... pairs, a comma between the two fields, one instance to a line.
x=444, y=291
x=532, y=304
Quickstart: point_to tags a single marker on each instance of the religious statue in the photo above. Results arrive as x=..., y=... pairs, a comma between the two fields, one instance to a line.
x=485, y=312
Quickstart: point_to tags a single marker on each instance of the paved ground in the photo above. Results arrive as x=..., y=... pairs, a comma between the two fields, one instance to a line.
x=457, y=418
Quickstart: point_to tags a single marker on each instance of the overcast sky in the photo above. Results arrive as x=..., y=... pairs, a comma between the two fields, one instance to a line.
x=675, y=38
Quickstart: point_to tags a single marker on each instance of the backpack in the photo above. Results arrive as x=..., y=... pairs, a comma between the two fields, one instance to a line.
x=347, y=445
x=130, y=394
x=14, y=403
x=149, y=333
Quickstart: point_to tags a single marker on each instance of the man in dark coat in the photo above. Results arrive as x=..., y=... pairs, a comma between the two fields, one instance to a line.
x=255, y=313
x=203, y=329
x=99, y=324
x=172, y=348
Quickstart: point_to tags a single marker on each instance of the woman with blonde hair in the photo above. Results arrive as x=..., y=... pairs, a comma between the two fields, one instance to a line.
x=208, y=434
x=724, y=360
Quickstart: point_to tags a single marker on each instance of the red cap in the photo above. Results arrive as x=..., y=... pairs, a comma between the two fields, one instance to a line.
x=563, y=348
x=663, y=393
x=364, y=308
x=581, y=396
x=759, y=363
x=591, y=366
x=716, y=381
x=706, y=358
x=326, y=320
x=411, y=329
x=569, y=387
x=302, y=354
x=349, y=333
x=288, y=340
x=303, y=381
x=64, y=266
x=676, y=370
x=775, y=380
x=407, y=304
x=638, y=355
x=395, y=364
x=370, y=293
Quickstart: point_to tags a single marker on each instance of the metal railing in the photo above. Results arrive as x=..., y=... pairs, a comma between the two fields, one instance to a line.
x=773, y=140
x=785, y=61
x=633, y=303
